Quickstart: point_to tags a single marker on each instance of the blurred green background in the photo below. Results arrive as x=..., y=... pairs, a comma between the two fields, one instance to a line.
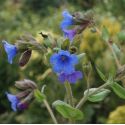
x=34, y=16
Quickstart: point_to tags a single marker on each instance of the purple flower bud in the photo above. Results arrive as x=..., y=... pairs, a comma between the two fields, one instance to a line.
x=22, y=106
x=24, y=59
x=11, y=50
x=71, y=78
x=70, y=34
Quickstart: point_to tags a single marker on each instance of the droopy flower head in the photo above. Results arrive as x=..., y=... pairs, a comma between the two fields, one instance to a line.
x=71, y=78
x=11, y=51
x=67, y=21
x=63, y=61
x=70, y=34
x=15, y=102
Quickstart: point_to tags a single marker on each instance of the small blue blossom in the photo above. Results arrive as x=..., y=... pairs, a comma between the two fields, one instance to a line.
x=71, y=78
x=11, y=51
x=70, y=34
x=63, y=61
x=67, y=21
x=14, y=101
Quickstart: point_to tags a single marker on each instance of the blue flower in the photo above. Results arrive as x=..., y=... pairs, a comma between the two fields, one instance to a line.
x=63, y=61
x=70, y=34
x=14, y=101
x=71, y=78
x=11, y=51
x=67, y=21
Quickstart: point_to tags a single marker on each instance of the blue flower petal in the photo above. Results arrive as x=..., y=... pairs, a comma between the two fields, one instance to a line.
x=71, y=78
x=67, y=21
x=68, y=69
x=53, y=58
x=63, y=62
x=62, y=77
x=57, y=69
x=62, y=52
x=74, y=59
x=11, y=51
x=66, y=14
x=14, y=101
x=70, y=34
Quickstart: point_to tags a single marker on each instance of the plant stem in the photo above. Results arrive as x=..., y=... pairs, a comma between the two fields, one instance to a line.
x=84, y=99
x=114, y=55
x=50, y=111
x=111, y=49
x=69, y=93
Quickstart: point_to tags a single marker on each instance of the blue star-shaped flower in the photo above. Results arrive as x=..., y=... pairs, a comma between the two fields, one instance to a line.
x=67, y=21
x=63, y=61
x=71, y=78
x=11, y=50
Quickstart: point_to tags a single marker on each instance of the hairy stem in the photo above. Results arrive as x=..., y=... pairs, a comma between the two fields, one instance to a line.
x=50, y=111
x=84, y=99
x=114, y=55
x=69, y=93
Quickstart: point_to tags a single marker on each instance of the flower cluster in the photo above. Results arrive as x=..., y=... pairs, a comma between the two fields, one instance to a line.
x=78, y=21
x=63, y=63
x=21, y=100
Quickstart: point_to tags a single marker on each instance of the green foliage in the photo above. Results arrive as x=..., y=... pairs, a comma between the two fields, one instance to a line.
x=101, y=74
x=98, y=96
x=65, y=45
x=105, y=34
x=67, y=111
x=119, y=90
x=38, y=95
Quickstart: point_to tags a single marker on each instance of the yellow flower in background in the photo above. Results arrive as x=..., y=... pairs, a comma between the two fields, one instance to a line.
x=117, y=116
x=91, y=41
x=113, y=25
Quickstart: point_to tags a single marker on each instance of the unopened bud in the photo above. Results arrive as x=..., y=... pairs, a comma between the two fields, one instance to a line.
x=73, y=49
x=25, y=84
x=23, y=94
x=83, y=18
x=25, y=57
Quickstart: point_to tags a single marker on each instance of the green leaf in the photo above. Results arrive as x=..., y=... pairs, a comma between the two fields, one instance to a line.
x=116, y=49
x=118, y=90
x=38, y=95
x=67, y=111
x=105, y=34
x=65, y=45
x=101, y=74
x=98, y=96
x=121, y=36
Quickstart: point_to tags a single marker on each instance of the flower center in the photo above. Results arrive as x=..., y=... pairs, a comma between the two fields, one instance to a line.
x=63, y=58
